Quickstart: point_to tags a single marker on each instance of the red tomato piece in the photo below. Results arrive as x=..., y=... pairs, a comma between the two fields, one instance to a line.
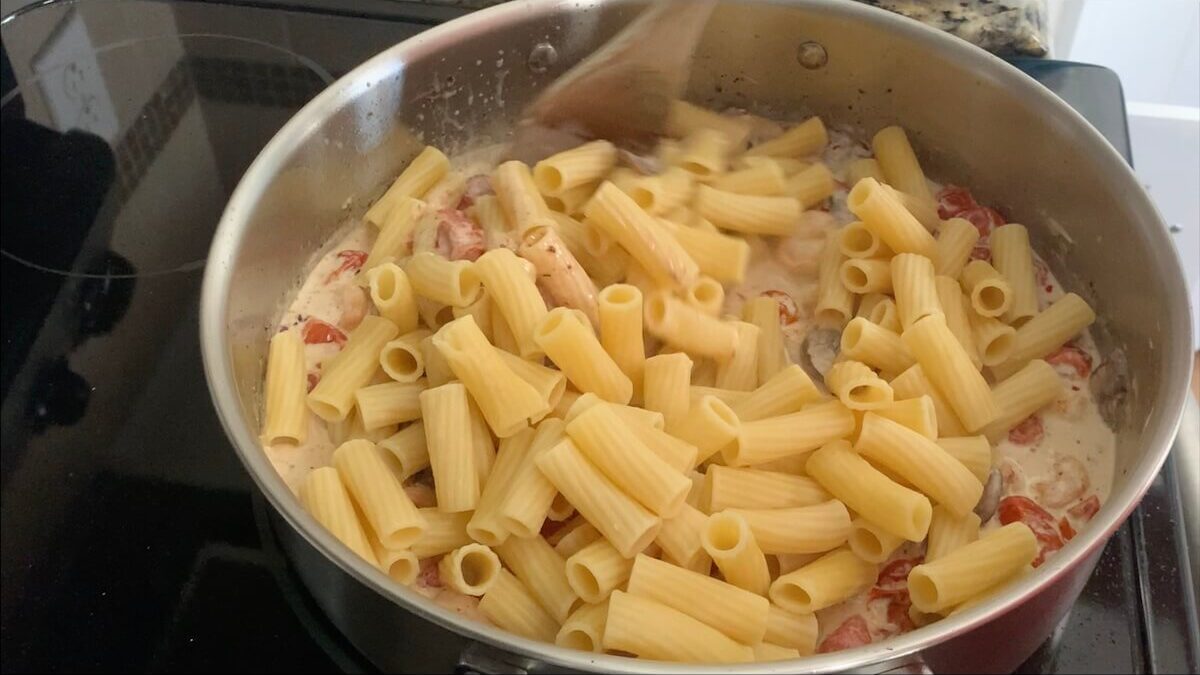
x=893, y=578
x=352, y=261
x=984, y=218
x=953, y=200
x=1065, y=529
x=1023, y=509
x=1072, y=356
x=313, y=379
x=853, y=632
x=788, y=312
x=1029, y=432
x=897, y=613
x=318, y=332
x=1085, y=509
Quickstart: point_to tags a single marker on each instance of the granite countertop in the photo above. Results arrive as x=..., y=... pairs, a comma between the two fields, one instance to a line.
x=1005, y=27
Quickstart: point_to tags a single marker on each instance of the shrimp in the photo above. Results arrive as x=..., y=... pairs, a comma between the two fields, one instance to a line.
x=354, y=307
x=1069, y=483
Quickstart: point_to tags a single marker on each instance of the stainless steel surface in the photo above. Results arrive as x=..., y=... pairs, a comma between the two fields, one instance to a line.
x=975, y=120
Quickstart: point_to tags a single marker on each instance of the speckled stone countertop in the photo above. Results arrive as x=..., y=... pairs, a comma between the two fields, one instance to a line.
x=1005, y=27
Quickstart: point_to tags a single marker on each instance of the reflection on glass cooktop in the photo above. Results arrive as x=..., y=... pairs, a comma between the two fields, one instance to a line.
x=133, y=539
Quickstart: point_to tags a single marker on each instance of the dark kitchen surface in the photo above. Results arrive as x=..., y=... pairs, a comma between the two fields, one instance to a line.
x=132, y=537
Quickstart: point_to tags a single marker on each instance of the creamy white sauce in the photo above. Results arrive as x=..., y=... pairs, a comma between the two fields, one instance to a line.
x=1075, y=435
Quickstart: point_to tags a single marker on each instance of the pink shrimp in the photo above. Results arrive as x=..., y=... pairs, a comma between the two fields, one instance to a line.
x=1070, y=482
x=459, y=237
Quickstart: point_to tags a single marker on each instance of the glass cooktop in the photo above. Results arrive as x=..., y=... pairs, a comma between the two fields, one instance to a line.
x=132, y=537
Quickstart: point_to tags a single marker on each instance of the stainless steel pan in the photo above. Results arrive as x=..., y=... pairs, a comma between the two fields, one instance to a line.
x=975, y=120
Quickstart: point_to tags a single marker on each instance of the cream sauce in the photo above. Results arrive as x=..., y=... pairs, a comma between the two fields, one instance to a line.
x=1076, y=449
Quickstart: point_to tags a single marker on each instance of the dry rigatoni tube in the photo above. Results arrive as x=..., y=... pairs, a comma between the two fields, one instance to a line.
x=835, y=303
x=912, y=383
x=402, y=566
x=409, y=449
x=285, y=416
x=677, y=323
x=653, y=630
x=666, y=381
x=706, y=294
x=485, y=525
x=948, y=366
x=916, y=295
x=344, y=374
x=719, y=256
x=918, y=414
x=899, y=163
x=919, y=461
x=989, y=293
x=872, y=543
x=789, y=390
x=596, y=570
x=880, y=310
x=763, y=311
x=509, y=605
x=530, y=494
x=748, y=214
x=514, y=294
x=738, y=613
x=788, y=629
x=857, y=386
x=832, y=578
x=680, y=536
x=560, y=272
x=869, y=492
x=326, y=499
x=806, y=138
x=392, y=515
x=1013, y=258
x=443, y=532
x=641, y=235
x=550, y=383
x=710, y=425
x=426, y=169
x=957, y=310
x=395, y=233
x=382, y=405
x=994, y=339
x=620, y=309
x=446, y=413
x=811, y=186
x=402, y=359
x=506, y=401
x=740, y=371
x=867, y=167
x=774, y=438
x=522, y=203
x=972, y=569
x=580, y=165
x=764, y=179
x=875, y=346
x=1062, y=320
x=615, y=449
x=729, y=542
x=729, y=487
x=867, y=275
x=956, y=239
x=1022, y=394
x=584, y=629
x=973, y=452
x=799, y=529
x=470, y=570
x=392, y=294
x=449, y=282
x=704, y=152
x=570, y=344
x=543, y=571
x=663, y=192
x=858, y=241
x=881, y=211
x=627, y=525
x=948, y=533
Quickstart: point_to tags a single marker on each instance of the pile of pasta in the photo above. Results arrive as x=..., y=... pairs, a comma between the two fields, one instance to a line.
x=714, y=496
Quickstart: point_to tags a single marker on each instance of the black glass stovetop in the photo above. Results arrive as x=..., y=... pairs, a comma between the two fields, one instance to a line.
x=132, y=537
